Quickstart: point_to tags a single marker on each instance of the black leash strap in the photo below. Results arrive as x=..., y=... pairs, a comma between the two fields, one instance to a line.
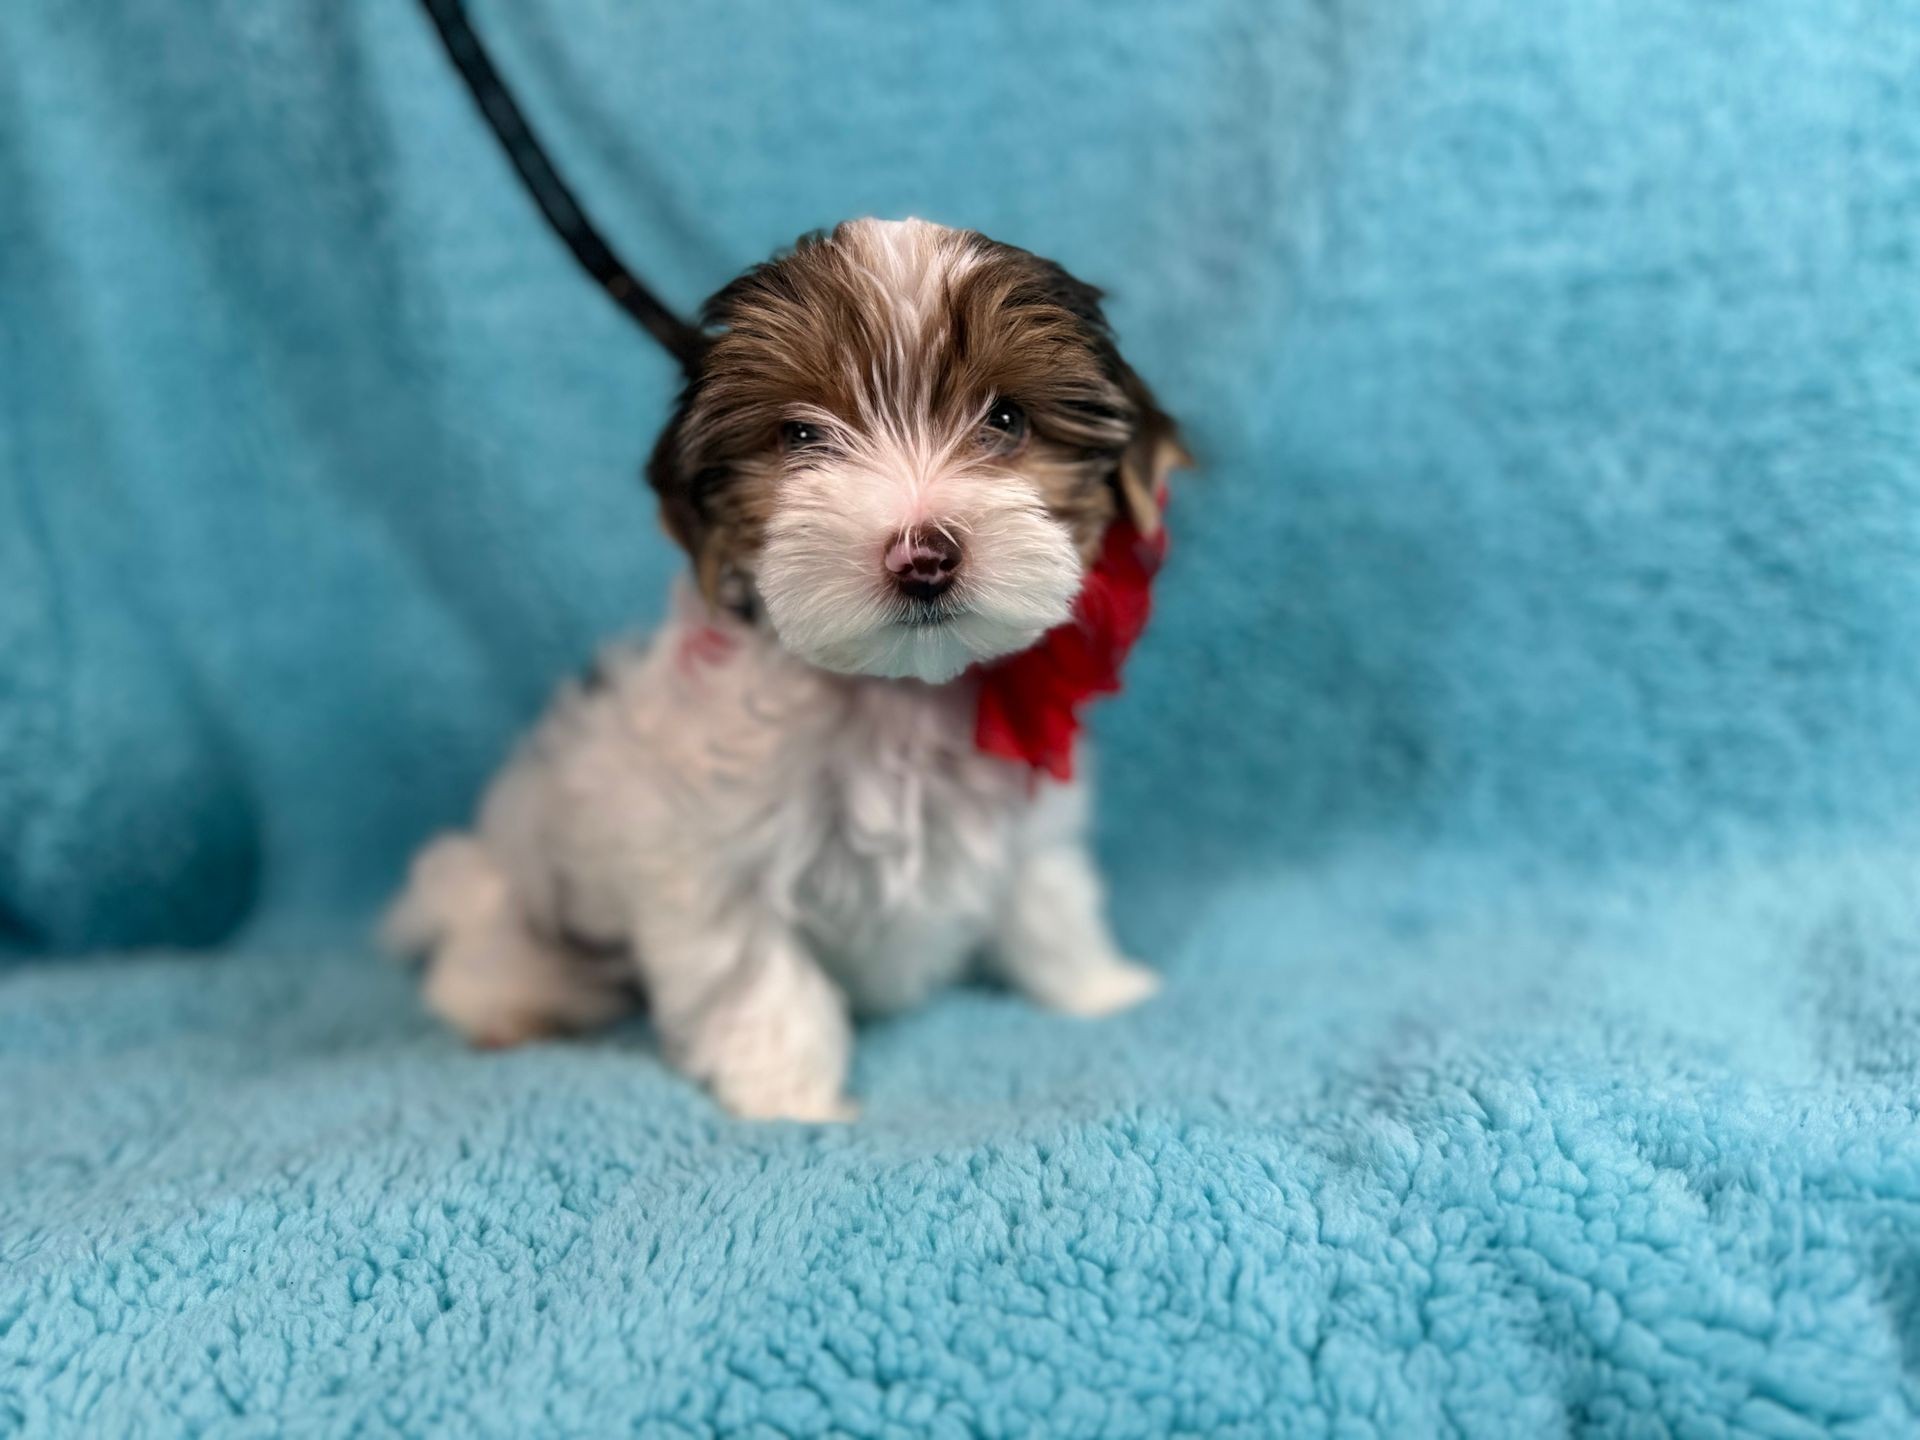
x=550, y=192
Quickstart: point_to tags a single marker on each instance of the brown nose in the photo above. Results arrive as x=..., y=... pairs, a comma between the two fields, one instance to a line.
x=923, y=563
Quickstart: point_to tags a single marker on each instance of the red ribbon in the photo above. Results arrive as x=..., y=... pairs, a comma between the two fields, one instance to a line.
x=1030, y=702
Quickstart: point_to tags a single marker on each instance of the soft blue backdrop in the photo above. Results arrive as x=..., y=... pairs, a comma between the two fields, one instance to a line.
x=1517, y=785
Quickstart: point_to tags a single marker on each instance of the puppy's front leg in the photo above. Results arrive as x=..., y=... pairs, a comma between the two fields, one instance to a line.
x=741, y=1006
x=1053, y=944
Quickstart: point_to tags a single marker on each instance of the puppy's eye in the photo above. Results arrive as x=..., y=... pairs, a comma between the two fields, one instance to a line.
x=801, y=435
x=1005, y=426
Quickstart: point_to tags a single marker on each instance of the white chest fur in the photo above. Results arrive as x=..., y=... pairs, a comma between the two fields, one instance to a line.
x=917, y=834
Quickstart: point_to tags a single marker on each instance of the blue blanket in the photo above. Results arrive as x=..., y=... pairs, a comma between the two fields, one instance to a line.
x=1518, y=787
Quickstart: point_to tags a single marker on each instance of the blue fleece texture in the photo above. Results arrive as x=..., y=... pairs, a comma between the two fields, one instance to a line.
x=1517, y=788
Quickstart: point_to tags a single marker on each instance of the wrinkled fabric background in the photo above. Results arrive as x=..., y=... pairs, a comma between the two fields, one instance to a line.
x=1517, y=786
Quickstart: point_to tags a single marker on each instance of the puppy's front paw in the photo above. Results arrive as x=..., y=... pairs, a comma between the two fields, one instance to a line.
x=1104, y=991
x=782, y=1093
x=788, y=1105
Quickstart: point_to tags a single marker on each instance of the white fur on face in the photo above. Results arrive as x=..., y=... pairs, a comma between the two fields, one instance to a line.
x=892, y=468
x=823, y=573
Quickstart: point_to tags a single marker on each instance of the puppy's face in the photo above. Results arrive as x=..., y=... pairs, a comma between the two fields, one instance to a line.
x=908, y=442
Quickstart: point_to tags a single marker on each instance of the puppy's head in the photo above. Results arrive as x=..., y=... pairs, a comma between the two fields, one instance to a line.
x=907, y=441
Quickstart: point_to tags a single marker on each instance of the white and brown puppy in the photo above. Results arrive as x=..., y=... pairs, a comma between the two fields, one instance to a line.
x=896, y=460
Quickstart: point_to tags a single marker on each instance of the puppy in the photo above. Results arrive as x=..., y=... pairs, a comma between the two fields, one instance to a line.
x=900, y=455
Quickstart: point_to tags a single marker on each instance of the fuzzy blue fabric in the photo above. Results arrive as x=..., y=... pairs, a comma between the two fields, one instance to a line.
x=1518, y=786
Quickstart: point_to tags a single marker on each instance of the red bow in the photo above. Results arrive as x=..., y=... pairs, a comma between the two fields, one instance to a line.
x=1029, y=702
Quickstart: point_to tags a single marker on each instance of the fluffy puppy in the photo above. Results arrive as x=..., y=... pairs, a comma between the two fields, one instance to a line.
x=898, y=456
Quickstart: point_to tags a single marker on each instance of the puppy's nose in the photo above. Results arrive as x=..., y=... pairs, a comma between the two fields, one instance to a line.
x=923, y=563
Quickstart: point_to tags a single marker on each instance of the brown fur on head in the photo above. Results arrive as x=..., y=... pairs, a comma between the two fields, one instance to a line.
x=902, y=379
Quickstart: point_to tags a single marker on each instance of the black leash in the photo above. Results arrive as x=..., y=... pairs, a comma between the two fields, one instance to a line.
x=550, y=192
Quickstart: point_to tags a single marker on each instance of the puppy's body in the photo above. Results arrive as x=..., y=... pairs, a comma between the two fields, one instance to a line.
x=776, y=812
x=770, y=844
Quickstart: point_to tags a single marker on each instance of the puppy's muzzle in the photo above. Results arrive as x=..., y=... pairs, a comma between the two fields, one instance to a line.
x=923, y=563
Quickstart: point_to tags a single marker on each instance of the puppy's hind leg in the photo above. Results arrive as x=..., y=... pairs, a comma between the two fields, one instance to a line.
x=489, y=974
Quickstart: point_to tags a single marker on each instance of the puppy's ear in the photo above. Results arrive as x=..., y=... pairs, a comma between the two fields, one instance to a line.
x=1151, y=455
x=686, y=489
